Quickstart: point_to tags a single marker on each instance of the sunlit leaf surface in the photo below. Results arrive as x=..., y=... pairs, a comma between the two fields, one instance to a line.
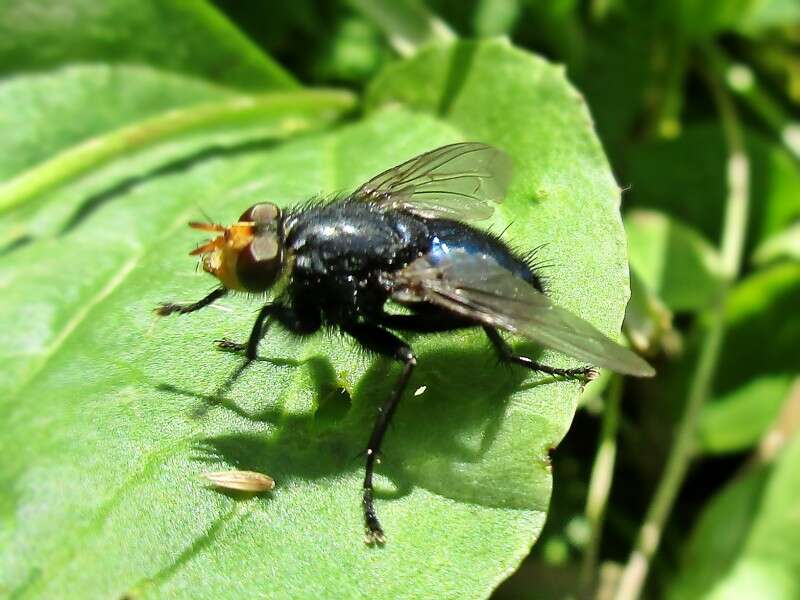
x=110, y=415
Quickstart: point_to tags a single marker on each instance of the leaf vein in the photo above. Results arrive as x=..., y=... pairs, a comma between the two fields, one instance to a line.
x=80, y=316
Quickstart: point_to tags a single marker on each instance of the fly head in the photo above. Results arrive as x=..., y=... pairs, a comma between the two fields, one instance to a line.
x=248, y=255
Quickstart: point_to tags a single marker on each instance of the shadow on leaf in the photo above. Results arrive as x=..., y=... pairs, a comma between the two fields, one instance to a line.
x=96, y=201
x=447, y=439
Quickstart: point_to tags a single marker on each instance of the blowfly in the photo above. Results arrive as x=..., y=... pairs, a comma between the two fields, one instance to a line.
x=401, y=237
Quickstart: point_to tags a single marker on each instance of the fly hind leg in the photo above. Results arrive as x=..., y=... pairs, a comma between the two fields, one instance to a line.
x=383, y=342
x=506, y=353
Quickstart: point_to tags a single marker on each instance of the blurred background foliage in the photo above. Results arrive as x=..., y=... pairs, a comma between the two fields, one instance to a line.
x=697, y=103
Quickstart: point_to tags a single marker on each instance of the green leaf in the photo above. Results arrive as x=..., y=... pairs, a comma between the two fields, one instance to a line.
x=745, y=544
x=495, y=17
x=139, y=107
x=759, y=358
x=119, y=95
x=719, y=535
x=785, y=244
x=702, y=19
x=768, y=14
x=685, y=178
x=673, y=260
x=110, y=416
x=240, y=110
x=188, y=36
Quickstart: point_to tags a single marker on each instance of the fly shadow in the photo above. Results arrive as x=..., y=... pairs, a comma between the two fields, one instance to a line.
x=444, y=439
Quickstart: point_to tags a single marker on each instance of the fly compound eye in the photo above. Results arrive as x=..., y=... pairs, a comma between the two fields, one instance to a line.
x=264, y=248
x=266, y=212
x=259, y=263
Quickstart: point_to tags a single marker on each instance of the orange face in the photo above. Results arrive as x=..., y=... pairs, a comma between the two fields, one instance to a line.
x=248, y=255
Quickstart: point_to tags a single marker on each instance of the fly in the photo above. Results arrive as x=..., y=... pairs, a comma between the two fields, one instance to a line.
x=401, y=237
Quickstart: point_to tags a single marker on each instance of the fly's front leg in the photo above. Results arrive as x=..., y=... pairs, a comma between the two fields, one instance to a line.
x=507, y=354
x=301, y=323
x=260, y=328
x=167, y=308
x=381, y=341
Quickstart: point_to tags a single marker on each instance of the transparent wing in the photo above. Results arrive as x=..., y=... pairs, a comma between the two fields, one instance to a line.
x=475, y=286
x=454, y=182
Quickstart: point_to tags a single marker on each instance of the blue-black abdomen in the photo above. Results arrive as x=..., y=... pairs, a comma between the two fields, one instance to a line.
x=447, y=235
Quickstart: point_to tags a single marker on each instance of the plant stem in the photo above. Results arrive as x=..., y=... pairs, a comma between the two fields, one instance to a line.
x=600, y=9
x=600, y=484
x=668, y=119
x=407, y=23
x=290, y=112
x=742, y=81
x=731, y=248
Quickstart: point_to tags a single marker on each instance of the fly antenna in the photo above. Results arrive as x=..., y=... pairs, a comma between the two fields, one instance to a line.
x=206, y=226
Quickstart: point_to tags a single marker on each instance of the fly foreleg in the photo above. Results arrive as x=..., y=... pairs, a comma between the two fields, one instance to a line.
x=260, y=328
x=167, y=308
x=301, y=323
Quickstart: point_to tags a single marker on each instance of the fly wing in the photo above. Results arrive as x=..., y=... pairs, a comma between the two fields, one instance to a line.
x=455, y=182
x=477, y=287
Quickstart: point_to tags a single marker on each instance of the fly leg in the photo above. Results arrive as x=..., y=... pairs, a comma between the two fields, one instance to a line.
x=167, y=308
x=383, y=342
x=296, y=322
x=301, y=323
x=507, y=354
x=260, y=328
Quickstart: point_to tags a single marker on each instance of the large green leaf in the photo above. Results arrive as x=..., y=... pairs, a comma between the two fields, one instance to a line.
x=110, y=415
x=188, y=36
x=118, y=95
x=719, y=535
x=134, y=107
x=745, y=544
